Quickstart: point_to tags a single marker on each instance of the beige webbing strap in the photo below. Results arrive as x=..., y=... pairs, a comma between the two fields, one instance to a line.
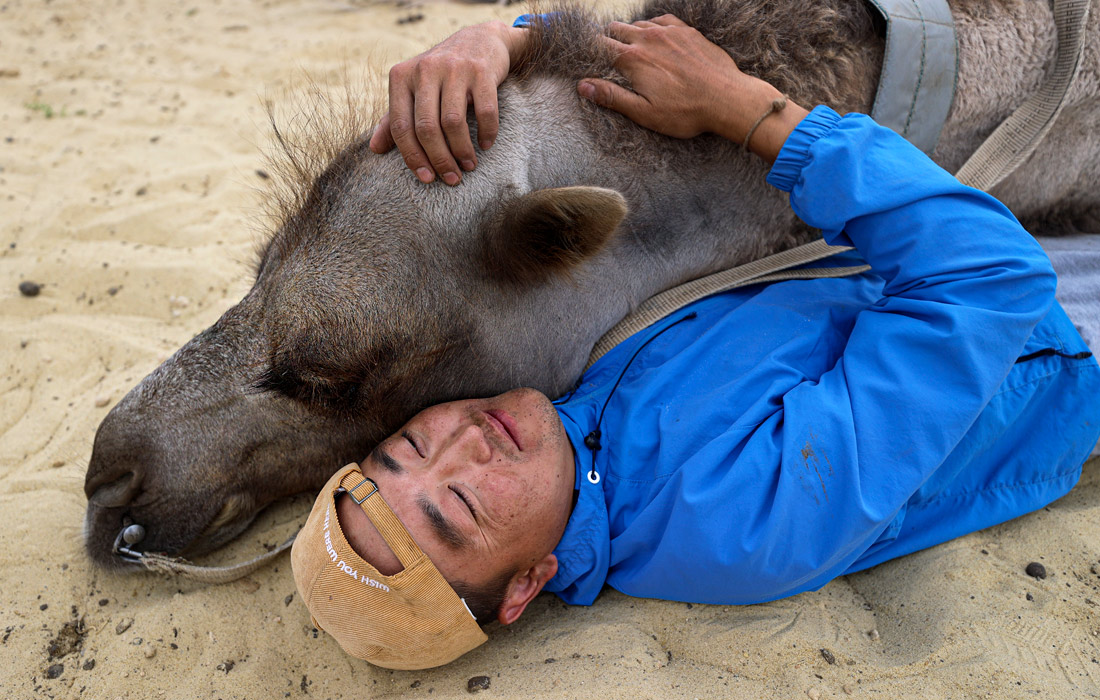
x=1018, y=136
x=210, y=574
x=770, y=269
x=365, y=492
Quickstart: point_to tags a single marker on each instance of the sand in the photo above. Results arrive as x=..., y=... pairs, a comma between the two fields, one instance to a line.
x=130, y=137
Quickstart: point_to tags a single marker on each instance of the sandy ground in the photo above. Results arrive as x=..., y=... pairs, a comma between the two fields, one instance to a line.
x=130, y=137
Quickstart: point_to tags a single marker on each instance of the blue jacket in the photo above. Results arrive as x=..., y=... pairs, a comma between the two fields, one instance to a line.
x=767, y=440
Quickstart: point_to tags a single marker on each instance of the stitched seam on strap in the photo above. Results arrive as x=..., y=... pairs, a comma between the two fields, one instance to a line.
x=920, y=74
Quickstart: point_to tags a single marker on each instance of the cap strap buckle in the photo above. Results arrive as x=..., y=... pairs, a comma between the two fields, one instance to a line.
x=353, y=491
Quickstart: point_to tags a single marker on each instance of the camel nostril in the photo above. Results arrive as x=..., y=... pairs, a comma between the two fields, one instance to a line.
x=117, y=493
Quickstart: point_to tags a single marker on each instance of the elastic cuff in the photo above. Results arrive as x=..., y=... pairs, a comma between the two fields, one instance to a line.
x=795, y=153
x=528, y=20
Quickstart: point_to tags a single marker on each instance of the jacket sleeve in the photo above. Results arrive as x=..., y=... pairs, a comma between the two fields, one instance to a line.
x=965, y=285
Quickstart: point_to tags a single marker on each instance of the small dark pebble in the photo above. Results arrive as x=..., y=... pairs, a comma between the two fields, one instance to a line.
x=88, y=665
x=103, y=601
x=29, y=289
x=141, y=191
x=226, y=666
x=411, y=18
x=828, y=656
x=173, y=645
x=985, y=551
x=477, y=683
x=286, y=601
x=112, y=290
x=690, y=606
x=136, y=641
x=43, y=606
x=414, y=684
x=1036, y=570
x=550, y=660
x=55, y=671
x=1030, y=597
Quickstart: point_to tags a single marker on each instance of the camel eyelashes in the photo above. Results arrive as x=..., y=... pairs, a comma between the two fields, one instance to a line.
x=320, y=393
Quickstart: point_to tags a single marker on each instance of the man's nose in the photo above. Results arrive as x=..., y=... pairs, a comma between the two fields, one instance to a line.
x=473, y=444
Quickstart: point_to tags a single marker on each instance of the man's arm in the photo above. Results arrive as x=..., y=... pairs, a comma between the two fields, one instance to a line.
x=810, y=488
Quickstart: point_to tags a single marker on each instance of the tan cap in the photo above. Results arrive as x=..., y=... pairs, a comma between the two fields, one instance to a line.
x=411, y=620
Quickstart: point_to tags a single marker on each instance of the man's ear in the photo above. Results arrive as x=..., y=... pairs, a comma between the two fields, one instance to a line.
x=549, y=231
x=524, y=587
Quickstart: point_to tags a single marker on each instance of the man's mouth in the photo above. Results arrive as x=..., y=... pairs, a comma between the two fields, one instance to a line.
x=505, y=425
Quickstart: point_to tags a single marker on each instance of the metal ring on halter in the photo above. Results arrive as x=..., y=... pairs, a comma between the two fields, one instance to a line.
x=129, y=535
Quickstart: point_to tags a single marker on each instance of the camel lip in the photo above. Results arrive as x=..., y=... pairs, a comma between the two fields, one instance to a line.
x=505, y=424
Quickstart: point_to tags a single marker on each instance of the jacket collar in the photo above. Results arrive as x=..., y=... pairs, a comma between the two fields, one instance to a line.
x=585, y=548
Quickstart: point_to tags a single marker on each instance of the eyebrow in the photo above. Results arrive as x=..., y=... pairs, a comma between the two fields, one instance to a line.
x=443, y=527
x=389, y=463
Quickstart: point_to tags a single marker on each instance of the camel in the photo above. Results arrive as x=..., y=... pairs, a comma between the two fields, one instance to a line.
x=377, y=295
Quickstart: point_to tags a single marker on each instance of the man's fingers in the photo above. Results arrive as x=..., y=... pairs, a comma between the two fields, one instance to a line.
x=669, y=21
x=380, y=140
x=615, y=46
x=429, y=133
x=487, y=112
x=626, y=33
x=401, y=131
x=607, y=94
x=455, y=127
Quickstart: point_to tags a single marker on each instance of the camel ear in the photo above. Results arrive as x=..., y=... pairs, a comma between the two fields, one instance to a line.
x=550, y=231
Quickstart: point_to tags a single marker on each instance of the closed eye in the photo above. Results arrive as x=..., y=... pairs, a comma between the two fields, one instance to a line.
x=473, y=513
x=413, y=443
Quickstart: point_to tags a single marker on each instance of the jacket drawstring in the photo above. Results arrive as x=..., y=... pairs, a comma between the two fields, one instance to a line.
x=592, y=440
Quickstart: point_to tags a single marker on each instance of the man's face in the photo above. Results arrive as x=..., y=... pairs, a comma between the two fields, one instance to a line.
x=483, y=486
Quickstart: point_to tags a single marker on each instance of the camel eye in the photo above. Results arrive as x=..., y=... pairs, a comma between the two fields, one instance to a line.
x=314, y=391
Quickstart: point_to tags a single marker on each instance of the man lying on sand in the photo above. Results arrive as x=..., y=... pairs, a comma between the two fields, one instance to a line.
x=750, y=446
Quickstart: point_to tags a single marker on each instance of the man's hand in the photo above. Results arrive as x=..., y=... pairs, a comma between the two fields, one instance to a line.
x=684, y=85
x=429, y=96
